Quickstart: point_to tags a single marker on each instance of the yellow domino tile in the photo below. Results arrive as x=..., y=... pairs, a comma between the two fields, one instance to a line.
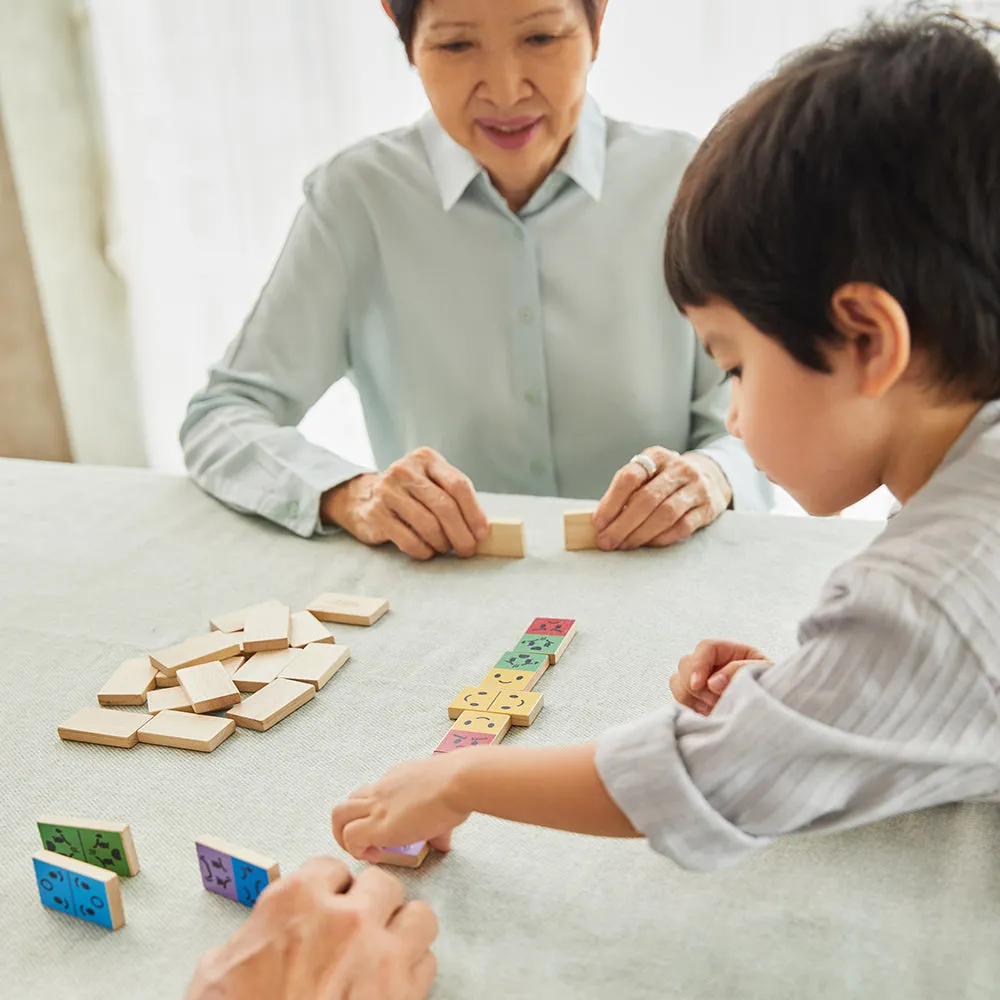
x=482, y=722
x=522, y=706
x=470, y=699
x=511, y=680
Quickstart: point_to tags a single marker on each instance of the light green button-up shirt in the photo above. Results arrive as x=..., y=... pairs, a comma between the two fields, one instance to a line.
x=537, y=351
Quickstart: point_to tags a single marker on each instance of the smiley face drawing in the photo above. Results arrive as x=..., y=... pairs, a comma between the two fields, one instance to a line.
x=472, y=699
x=521, y=706
x=512, y=680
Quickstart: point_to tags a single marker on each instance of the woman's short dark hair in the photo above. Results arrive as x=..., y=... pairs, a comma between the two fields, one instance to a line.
x=873, y=157
x=405, y=12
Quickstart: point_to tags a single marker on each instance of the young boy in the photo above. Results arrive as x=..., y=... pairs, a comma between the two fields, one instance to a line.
x=836, y=245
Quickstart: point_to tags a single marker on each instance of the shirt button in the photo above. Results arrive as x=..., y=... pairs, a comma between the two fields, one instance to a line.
x=533, y=396
x=527, y=315
x=538, y=467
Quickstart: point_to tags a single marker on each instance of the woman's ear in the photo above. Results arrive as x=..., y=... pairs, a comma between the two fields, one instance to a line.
x=602, y=7
x=388, y=10
x=877, y=332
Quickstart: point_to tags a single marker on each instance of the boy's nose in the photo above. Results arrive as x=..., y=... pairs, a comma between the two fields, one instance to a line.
x=733, y=418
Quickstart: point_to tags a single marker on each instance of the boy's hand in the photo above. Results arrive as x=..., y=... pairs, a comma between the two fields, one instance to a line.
x=414, y=801
x=703, y=675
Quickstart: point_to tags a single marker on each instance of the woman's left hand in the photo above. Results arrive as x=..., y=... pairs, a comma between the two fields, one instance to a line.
x=685, y=493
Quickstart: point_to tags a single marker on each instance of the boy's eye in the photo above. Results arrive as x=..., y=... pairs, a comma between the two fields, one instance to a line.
x=736, y=372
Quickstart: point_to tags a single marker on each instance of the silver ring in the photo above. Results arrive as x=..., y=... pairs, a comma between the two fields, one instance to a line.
x=647, y=463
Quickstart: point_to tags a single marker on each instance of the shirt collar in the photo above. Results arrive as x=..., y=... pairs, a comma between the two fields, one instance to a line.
x=455, y=168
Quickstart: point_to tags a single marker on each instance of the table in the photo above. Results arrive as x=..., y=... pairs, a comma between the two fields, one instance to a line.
x=102, y=564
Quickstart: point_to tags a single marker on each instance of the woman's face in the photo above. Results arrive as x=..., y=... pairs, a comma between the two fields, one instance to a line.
x=507, y=80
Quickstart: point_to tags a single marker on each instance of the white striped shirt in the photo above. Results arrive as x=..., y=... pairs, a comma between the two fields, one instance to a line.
x=889, y=704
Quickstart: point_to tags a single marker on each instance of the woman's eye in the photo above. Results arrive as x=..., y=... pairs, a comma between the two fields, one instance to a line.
x=736, y=372
x=456, y=46
x=541, y=39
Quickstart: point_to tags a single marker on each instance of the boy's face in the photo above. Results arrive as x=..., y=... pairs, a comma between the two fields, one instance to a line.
x=817, y=435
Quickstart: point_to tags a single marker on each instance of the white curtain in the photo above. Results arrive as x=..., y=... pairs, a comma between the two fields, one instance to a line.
x=215, y=110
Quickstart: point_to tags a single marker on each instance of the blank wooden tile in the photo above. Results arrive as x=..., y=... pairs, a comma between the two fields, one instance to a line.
x=208, y=687
x=472, y=699
x=104, y=843
x=105, y=726
x=506, y=539
x=262, y=668
x=578, y=527
x=307, y=629
x=166, y=680
x=233, y=663
x=317, y=663
x=348, y=609
x=235, y=621
x=271, y=704
x=267, y=628
x=129, y=683
x=237, y=873
x=79, y=890
x=171, y=699
x=187, y=731
x=522, y=706
x=198, y=649
x=411, y=856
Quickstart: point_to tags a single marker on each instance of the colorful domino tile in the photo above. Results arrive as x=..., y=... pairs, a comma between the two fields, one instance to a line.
x=235, y=872
x=552, y=626
x=410, y=856
x=96, y=842
x=551, y=645
x=79, y=890
x=474, y=729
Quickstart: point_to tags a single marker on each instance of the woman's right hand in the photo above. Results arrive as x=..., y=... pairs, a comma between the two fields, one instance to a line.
x=420, y=504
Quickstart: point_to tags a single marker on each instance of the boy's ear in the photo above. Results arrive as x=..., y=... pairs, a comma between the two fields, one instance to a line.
x=877, y=333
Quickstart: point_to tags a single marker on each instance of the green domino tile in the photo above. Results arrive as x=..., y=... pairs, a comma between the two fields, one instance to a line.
x=545, y=644
x=64, y=840
x=105, y=850
x=522, y=661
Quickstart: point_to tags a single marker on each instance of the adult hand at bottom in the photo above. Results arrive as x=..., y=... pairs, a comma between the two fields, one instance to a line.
x=320, y=935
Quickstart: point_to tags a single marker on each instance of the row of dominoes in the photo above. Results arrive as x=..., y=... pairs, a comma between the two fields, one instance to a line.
x=80, y=869
x=482, y=715
x=278, y=658
x=506, y=537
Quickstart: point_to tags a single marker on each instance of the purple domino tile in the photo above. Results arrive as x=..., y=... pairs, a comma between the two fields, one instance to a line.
x=217, y=872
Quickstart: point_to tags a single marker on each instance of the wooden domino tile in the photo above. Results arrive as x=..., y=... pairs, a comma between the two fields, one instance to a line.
x=411, y=856
x=97, y=842
x=208, y=687
x=565, y=627
x=306, y=629
x=104, y=726
x=473, y=729
x=230, y=665
x=235, y=872
x=236, y=621
x=129, y=683
x=346, y=609
x=166, y=680
x=262, y=668
x=198, y=649
x=187, y=731
x=522, y=706
x=579, y=530
x=271, y=704
x=317, y=663
x=267, y=628
x=171, y=699
x=553, y=646
x=79, y=890
x=472, y=699
x=516, y=671
x=506, y=539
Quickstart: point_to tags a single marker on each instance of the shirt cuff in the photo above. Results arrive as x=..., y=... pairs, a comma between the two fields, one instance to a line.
x=752, y=491
x=643, y=769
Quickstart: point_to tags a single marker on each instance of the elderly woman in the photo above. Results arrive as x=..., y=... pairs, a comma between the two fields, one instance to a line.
x=491, y=279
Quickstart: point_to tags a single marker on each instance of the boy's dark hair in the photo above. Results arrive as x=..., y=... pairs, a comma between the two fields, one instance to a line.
x=405, y=12
x=872, y=157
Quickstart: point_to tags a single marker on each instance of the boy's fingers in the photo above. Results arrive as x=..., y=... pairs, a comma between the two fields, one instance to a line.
x=720, y=680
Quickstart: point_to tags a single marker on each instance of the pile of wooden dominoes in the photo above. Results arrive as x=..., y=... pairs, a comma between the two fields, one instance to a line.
x=80, y=870
x=505, y=697
x=278, y=658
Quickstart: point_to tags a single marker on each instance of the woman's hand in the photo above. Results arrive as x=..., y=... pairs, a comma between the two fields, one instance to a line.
x=685, y=493
x=320, y=935
x=420, y=504
x=703, y=675
x=413, y=802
